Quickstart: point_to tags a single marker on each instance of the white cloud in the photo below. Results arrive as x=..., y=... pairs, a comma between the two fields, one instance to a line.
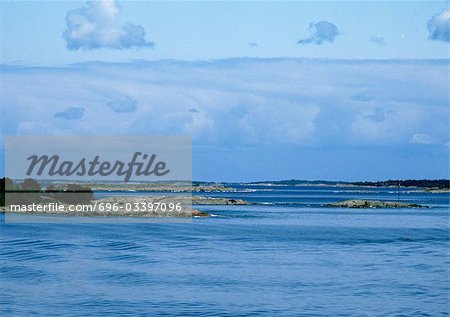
x=125, y=104
x=285, y=123
x=422, y=138
x=96, y=26
x=71, y=113
x=390, y=123
x=237, y=102
x=198, y=124
x=320, y=32
x=439, y=26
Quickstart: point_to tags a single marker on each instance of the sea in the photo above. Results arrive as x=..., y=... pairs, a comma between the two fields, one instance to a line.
x=284, y=255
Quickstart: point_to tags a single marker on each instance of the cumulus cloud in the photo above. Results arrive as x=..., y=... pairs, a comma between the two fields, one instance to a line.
x=379, y=40
x=125, y=104
x=291, y=123
x=439, y=26
x=320, y=32
x=96, y=25
x=71, y=113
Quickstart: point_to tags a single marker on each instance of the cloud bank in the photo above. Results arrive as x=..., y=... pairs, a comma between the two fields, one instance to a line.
x=96, y=25
x=439, y=26
x=237, y=102
x=252, y=118
x=320, y=32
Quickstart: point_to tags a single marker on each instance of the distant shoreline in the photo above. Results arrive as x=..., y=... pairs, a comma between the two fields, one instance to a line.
x=408, y=183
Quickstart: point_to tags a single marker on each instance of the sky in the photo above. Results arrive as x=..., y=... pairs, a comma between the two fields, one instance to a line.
x=31, y=31
x=267, y=90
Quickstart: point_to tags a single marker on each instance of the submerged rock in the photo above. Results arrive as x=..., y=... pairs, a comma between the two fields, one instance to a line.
x=360, y=203
x=198, y=213
x=200, y=200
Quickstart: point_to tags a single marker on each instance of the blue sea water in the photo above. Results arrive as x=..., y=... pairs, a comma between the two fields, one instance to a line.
x=286, y=256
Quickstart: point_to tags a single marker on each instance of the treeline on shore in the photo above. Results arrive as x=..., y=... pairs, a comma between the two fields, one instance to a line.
x=429, y=183
x=424, y=183
x=71, y=193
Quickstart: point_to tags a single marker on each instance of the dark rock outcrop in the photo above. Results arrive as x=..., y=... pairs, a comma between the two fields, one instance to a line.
x=359, y=203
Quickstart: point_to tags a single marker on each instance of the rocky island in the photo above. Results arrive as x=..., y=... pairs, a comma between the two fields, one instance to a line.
x=359, y=203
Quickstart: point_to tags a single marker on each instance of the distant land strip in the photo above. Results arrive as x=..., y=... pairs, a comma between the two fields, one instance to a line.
x=428, y=183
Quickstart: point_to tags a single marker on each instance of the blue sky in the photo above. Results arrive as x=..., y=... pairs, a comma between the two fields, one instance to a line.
x=268, y=90
x=31, y=32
